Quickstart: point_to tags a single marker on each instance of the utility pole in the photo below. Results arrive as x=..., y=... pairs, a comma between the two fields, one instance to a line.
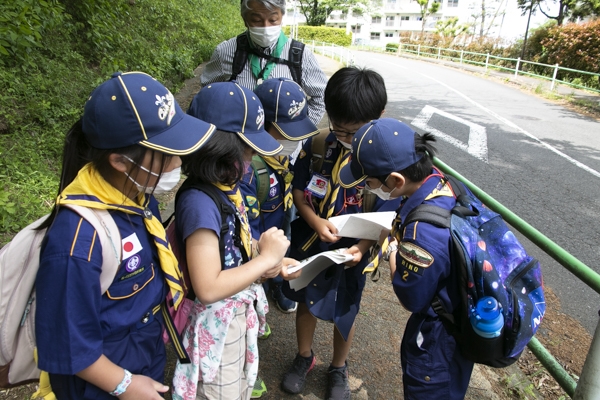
x=526, y=31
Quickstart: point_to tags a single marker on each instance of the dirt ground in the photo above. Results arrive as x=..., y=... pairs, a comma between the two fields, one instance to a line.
x=374, y=360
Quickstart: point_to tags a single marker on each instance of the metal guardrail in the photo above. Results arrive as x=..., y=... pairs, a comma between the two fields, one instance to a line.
x=518, y=66
x=588, y=386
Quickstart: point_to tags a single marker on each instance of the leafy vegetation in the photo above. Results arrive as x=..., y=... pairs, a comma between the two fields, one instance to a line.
x=54, y=52
x=336, y=36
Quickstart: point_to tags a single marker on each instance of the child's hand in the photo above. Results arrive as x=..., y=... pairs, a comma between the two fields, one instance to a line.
x=357, y=253
x=143, y=387
x=289, y=262
x=273, y=245
x=326, y=230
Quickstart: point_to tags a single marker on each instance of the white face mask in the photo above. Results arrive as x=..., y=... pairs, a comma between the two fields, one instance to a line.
x=264, y=36
x=289, y=146
x=346, y=145
x=166, y=182
x=382, y=194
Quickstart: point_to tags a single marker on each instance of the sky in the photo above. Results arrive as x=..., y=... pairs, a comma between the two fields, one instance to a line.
x=514, y=24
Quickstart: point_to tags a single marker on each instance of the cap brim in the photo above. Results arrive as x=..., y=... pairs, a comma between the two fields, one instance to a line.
x=263, y=143
x=347, y=177
x=185, y=137
x=297, y=130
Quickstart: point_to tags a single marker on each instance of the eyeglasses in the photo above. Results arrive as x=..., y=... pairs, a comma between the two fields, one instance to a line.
x=381, y=179
x=340, y=134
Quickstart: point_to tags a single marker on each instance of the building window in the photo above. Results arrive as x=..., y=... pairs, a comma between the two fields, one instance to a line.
x=404, y=18
x=452, y=3
x=355, y=28
x=375, y=35
x=375, y=20
x=389, y=21
x=389, y=34
x=419, y=18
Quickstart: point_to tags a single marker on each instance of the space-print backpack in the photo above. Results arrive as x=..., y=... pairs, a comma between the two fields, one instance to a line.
x=487, y=260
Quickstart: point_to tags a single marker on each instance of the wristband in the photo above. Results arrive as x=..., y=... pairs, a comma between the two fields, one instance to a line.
x=122, y=387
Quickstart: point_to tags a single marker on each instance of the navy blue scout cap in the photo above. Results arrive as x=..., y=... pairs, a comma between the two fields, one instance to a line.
x=233, y=108
x=134, y=108
x=379, y=148
x=286, y=108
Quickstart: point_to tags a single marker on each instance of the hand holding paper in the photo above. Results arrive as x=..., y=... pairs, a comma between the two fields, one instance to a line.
x=312, y=266
x=363, y=225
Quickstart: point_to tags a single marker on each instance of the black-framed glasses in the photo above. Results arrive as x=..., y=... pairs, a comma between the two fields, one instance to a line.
x=381, y=179
x=340, y=134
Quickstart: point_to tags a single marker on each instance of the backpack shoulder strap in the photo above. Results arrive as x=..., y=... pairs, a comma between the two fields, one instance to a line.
x=318, y=149
x=295, y=58
x=110, y=240
x=428, y=213
x=240, y=56
x=261, y=173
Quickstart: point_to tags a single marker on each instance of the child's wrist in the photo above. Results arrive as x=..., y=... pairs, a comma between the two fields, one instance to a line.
x=122, y=387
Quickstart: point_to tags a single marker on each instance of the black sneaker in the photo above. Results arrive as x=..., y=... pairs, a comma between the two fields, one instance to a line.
x=294, y=380
x=339, y=389
x=283, y=303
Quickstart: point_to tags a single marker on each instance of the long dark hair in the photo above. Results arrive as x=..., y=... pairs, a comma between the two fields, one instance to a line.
x=220, y=160
x=77, y=152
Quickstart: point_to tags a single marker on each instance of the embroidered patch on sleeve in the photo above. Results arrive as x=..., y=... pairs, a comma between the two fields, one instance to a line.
x=414, y=256
x=251, y=201
x=302, y=154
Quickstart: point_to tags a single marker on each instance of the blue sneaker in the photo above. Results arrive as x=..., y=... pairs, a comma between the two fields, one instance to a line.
x=283, y=303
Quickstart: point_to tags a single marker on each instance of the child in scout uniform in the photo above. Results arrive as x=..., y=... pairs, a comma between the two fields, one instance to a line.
x=267, y=186
x=124, y=149
x=397, y=163
x=224, y=322
x=353, y=97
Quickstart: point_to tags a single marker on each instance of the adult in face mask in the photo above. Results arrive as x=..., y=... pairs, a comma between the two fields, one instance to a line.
x=263, y=51
x=267, y=186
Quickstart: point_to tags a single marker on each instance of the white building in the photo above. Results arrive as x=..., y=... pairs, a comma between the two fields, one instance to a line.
x=385, y=24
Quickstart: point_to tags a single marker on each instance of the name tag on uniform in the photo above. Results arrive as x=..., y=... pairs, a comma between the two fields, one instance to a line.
x=318, y=186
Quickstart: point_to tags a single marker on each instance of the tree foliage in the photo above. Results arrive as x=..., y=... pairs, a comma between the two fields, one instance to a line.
x=449, y=29
x=575, y=46
x=317, y=11
x=427, y=8
x=337, y=36
x=571, y=10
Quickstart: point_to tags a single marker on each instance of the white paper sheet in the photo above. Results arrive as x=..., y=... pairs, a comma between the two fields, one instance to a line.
x=363, y=225
x=315, y=264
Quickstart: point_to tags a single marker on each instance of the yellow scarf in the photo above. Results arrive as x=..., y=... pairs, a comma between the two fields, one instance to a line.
x=90, y=190
x=234, y=194
x=334, y=185
x=281, y=165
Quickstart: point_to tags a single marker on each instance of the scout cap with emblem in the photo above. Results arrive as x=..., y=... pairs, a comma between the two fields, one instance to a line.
x=134, y=108
x=379, y=148
x=233, y=108
x=285, y=105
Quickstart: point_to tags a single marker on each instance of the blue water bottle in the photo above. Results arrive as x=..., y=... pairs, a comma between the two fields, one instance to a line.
x=487, y=318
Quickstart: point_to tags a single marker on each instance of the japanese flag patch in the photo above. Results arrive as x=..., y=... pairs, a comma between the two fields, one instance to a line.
x=131, y=245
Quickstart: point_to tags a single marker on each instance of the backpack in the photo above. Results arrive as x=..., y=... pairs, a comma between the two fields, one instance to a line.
x=294, y=61
x=261, y=173
x=19, y=264
x=319, y=147
x=487, y=260
x=177, y=319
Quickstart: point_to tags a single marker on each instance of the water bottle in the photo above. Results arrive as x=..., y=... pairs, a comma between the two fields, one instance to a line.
x=487, y=318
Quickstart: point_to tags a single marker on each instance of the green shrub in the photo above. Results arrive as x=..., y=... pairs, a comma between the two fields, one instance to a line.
x=336, y=36
x=41, y=98
x=392, y=47
x=575, y=46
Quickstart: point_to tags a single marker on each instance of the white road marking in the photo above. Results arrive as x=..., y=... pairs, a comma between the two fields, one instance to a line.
x=506, y=121
x=477, y=144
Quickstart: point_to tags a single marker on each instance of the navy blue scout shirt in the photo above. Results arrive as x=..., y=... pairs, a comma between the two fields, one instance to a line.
x=272, y=212
x=423, y=258
x=75, y=324
x=335, y=294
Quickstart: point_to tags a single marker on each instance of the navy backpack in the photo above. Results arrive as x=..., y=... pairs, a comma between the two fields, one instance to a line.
x=487, y=260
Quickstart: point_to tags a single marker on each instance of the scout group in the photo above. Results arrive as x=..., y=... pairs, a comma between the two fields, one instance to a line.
x=249, y=146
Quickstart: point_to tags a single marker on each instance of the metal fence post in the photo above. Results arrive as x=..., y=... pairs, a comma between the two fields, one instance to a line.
x=589, y=385
x=554, y=77
x=439, y=51
x=461, y=55
x=487, y=61
x=517, y=68
x=419, y=51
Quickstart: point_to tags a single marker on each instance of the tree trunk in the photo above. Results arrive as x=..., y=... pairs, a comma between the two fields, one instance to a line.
x=482, y=18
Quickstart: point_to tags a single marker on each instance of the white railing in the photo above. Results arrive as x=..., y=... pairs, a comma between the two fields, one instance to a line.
x=340, y=53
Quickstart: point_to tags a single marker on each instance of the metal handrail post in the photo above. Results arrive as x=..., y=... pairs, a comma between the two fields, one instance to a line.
x=487, y=61
x=517, y=68
x=552, y=366
x=589, y=385
x=554, y=77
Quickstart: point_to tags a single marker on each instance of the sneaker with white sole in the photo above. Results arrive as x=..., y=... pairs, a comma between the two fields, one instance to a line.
x=283, y=303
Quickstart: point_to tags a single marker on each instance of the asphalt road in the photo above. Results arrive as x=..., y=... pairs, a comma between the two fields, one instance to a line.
x=536, y=157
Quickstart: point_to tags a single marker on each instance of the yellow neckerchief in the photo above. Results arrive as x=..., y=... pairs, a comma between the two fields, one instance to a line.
x=334, y=185
x=90, y=190
x=234, y=194
x=281, y=165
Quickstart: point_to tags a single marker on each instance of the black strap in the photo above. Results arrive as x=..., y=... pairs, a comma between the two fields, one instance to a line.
x=294, y=61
